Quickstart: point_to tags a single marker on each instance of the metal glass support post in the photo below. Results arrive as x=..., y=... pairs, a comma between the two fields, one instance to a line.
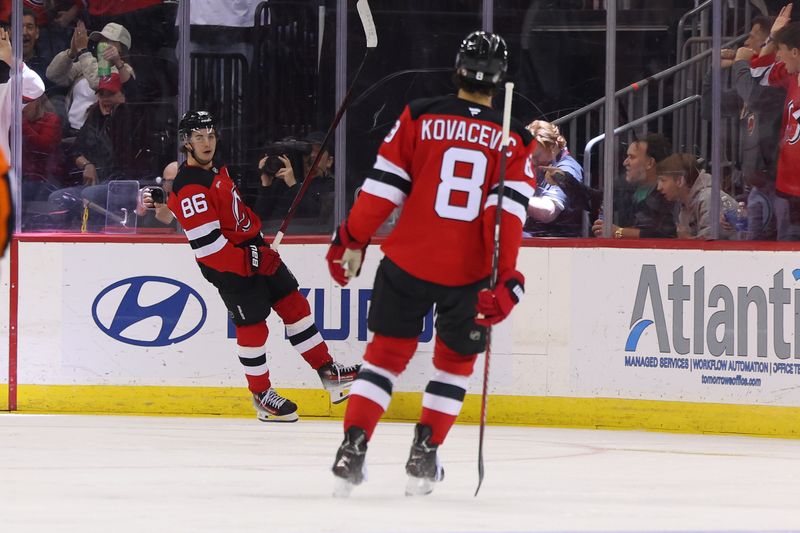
x=716, y=115
x=184, y=62
x=609, y=147
x=487, y=16
x=340, y=135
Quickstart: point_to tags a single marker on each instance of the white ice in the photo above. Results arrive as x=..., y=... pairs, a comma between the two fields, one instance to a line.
x=152, y=474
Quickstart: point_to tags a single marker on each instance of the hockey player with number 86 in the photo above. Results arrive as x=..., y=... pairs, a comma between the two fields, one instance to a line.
x=251, y=278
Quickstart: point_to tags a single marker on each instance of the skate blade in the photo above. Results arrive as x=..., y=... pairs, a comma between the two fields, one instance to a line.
x=342, y=488
x=418, y=486
x=339, y=393
x=285, y=418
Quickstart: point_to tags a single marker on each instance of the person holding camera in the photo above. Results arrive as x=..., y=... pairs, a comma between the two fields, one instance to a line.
x=225, y=235
x=280, y=183
x=278, y=186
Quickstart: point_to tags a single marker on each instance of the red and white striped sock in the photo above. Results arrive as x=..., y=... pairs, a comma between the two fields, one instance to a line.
x=442, y=403
x=370, y=396
x=303, y=334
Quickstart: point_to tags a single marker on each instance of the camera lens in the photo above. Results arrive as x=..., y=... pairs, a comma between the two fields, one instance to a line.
x=272, y=165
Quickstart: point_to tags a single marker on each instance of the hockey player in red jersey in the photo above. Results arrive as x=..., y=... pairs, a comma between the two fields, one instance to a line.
x=250, y=277
x=440, y=162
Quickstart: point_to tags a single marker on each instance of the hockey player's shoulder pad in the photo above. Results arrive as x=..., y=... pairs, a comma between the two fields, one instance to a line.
x=436, y=104
x=192, y=176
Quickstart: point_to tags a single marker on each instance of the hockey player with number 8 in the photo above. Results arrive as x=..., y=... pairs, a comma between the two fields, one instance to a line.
x=440, y=162
x=250, y=276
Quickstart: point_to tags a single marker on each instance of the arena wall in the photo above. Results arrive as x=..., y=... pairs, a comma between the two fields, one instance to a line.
x=697, y=340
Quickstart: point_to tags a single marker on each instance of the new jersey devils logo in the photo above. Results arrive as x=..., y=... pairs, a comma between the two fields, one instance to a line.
x=243, y=221
x=793, y=126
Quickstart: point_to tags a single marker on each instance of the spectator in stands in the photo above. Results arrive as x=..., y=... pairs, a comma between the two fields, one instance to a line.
x=318, y=200
x=759, y=108
x=781, y=57
x=651, y=214
x=53, y=18
x=106, y=147
x=42, y=170
x=681, y=181
x=77, y=68
x=30, y=55
x=32, y=88
x=279, y=188
x=152, y=26
x=554, y=211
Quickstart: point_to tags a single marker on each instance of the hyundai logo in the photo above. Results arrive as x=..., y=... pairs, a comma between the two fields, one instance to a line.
x=149, y=311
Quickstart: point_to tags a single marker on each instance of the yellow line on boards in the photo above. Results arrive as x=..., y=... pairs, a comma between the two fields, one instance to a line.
x=605, y=413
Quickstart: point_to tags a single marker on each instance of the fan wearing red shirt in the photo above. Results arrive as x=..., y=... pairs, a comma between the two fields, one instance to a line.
x=440, y=162
x=782, y=54
x=250, y=277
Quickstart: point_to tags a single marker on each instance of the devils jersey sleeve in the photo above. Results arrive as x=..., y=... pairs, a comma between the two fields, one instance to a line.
x=440, y=163
x=777, y=75
x=214, y=218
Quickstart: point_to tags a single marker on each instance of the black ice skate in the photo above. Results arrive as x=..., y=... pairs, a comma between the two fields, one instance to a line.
x=349, y=467
x=337, y=379
x=272, y=407
x=423, y=466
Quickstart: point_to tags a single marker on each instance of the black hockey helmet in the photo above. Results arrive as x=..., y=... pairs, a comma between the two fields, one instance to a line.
x=195, y=120
x=482, y=58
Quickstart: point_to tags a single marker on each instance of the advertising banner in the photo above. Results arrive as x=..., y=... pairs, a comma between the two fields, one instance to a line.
x=705, y=326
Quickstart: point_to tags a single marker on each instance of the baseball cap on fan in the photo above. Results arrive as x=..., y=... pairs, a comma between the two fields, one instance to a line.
x=111, y=83
x=113, y=32
x=32, y=85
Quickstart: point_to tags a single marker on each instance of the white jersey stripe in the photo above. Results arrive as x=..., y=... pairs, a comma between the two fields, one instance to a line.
x=209, y=249
x=764, y=75
x=384, y=190
x=201, y=231
x=521, y=187
x=381, y=163
x=509, y=206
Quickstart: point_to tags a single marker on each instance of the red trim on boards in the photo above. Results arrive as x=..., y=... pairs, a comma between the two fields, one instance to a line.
x=154, y=238
x=537, y=242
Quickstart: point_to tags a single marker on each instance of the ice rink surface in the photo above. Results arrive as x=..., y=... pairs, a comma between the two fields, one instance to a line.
x=152, y=474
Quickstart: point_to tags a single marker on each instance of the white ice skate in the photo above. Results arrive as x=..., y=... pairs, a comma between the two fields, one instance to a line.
x=337, y=380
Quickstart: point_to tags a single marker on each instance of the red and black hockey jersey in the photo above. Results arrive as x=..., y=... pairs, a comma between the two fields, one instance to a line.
x=788, y=180
x=215, y=219
x=440, y=162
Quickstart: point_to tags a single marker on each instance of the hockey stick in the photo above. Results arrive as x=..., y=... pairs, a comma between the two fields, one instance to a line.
x=365, y=15
x=501, y=185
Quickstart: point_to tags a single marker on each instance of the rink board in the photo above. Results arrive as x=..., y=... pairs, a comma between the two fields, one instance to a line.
x=681, y=340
